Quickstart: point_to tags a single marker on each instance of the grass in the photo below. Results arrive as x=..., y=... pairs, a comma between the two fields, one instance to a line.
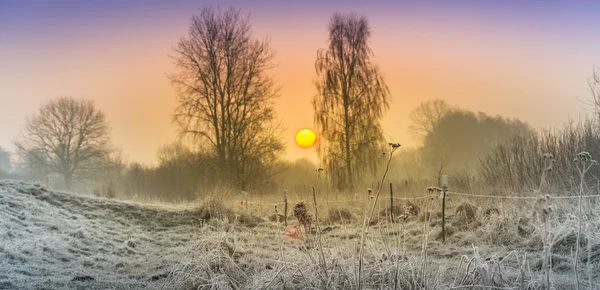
x=60, y=240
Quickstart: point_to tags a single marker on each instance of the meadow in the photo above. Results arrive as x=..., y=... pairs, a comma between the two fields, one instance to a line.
x=62, y=240
x=228, y=201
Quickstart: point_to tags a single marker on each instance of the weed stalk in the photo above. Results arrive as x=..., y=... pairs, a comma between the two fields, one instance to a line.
x=366, y=223
x=586, y=161
x=318, y=229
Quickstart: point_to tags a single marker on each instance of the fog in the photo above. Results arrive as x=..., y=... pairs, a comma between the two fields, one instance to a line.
x=530, y=66
x=152, y=144
x=499, y=77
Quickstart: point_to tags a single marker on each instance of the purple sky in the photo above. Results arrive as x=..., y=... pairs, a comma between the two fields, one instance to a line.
x=521, y=59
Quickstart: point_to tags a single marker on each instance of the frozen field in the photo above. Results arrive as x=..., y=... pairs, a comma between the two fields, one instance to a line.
x=57, y=240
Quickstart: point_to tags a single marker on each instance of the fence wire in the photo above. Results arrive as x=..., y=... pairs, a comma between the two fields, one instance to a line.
x=272, y=204
x=523, y=197
x=381, y=198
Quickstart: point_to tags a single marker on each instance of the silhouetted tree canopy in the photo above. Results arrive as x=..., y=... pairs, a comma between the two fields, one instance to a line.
x=351, y=99
x=425, y=118
x=225, y=95
x=594, y=87
x=461, y=138
x=66, y=136
x=298, y=174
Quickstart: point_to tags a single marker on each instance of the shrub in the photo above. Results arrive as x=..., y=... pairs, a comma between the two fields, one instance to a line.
x=340, y=215
x=468, y=210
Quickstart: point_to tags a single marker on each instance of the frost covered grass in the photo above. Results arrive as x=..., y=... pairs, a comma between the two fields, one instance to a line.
x=58, y=240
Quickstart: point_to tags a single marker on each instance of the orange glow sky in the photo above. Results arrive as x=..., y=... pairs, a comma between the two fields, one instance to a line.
x=528, y=62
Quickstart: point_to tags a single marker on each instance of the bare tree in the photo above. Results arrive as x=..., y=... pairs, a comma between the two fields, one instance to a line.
x=460, y=138
x=351, y=99
x=182, y=170
x=424, y=126
x=226, y=96
x=426, y=117
x=594, y=87
x=65, y=136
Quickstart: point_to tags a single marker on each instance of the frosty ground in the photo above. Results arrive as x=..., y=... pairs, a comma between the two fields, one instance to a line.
x=60, y=240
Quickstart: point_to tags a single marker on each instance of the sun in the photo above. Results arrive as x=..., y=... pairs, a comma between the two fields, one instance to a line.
x=306, y=138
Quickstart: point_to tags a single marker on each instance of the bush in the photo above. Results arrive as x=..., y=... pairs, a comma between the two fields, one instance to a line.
x=215, y=209
x=517, y=164
x=405, y=210
x=491, y=211
x=340, y=215
x=468, y=210
x=429, y=216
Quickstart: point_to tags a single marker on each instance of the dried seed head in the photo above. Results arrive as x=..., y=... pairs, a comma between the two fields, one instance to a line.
x=394, y=145
x=302, y=214
x=584, y=156
x=434, y=188
x=369, y=190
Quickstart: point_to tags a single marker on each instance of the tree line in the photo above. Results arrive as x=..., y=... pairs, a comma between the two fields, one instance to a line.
x=229, y=132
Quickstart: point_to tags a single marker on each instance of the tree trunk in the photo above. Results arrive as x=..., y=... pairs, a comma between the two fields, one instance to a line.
x=348, y=155
x=68, y=180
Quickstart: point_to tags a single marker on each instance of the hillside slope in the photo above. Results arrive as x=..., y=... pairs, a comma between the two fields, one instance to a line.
x=58, y=240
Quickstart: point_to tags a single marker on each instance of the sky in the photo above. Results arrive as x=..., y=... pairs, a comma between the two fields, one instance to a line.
x=520, y=59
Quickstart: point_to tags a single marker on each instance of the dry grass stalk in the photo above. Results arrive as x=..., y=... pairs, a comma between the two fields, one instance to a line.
x=586, y=161
x=365, y=228
x=322, y=262
x=544, y=209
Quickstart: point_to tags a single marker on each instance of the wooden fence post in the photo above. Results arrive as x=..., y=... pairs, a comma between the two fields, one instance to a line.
x=285, y=207
x=391, y=203
x=444, y=191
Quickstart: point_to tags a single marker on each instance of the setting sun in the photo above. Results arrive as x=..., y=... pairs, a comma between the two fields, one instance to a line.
x=306, y=138
x=150, y=144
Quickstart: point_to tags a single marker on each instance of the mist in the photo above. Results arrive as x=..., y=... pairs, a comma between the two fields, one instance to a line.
x=152, y=145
